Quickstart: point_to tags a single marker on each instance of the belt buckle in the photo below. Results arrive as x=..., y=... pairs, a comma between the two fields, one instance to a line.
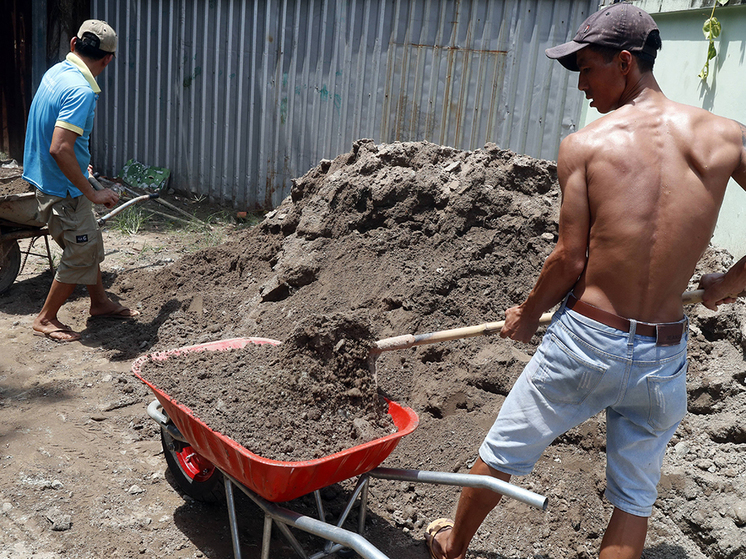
x=668, y=334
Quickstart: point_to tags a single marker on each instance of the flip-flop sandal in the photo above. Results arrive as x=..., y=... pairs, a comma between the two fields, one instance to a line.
x=122, y=314
x=433, y=529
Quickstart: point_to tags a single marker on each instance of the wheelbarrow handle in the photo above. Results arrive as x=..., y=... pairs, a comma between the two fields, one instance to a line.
x=102, y=220
x=94, y=183
x=410, y=340
x=115, y=211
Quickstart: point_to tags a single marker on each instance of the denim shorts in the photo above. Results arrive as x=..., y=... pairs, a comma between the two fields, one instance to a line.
x=581, y=368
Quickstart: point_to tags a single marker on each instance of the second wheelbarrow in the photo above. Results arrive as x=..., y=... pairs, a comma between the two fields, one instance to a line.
x=19, y=220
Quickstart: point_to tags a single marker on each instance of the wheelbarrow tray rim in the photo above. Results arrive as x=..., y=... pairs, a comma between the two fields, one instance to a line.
x=274, y=480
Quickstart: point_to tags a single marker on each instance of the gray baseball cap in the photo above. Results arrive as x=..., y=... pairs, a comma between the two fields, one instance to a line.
x=620, y=26
x=100, y=35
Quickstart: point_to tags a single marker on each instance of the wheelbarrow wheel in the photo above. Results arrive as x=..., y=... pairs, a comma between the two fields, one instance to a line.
x=10, y=263
x=195, y=475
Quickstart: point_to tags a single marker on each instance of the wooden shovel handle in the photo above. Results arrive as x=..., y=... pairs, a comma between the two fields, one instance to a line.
x=411, y=340
x=692, y=297
x=695, y=296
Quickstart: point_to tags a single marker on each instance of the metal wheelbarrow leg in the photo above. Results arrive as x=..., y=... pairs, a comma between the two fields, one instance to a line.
x=337, y=537
x=343, y=538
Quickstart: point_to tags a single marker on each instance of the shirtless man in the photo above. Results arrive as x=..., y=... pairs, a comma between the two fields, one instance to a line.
x=641, y=190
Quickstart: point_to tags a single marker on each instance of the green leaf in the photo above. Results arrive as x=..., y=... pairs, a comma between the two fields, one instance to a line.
x=711, y=28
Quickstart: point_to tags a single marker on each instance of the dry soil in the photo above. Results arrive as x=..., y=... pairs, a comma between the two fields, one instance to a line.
x=309, y=397
x=415, y=237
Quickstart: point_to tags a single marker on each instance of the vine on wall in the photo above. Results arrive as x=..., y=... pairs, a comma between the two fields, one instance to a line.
x=711, y=29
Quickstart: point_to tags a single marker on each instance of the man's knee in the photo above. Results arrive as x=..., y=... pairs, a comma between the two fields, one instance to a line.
x=481, y=467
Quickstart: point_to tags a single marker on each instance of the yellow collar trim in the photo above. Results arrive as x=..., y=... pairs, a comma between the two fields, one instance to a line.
x=76, y=61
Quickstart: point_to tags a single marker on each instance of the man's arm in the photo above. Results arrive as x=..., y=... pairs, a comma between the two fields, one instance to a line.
x=566, y=263
x=62, y=151
x=739, y=175
x=723, y=288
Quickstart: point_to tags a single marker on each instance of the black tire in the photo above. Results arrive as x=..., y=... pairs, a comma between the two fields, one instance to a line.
x=195, y=475
x=10, y=264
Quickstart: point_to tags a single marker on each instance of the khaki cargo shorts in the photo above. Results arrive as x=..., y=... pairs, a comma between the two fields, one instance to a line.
x=73, y=226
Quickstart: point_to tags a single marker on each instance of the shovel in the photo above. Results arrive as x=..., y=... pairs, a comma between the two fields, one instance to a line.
x=410, y=340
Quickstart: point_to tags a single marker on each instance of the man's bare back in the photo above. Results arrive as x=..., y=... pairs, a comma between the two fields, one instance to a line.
x=641, y=192
x=663, y=167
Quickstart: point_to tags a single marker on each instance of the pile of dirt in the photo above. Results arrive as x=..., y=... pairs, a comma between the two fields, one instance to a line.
x=310, y=397
x=420, y=237
x=417, y=235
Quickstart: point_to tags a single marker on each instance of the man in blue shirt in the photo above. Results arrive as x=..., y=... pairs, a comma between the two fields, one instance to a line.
x=57, y=161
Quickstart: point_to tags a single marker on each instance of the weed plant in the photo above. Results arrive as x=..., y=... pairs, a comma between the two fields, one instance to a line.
x=202, y=232
x=131, y=220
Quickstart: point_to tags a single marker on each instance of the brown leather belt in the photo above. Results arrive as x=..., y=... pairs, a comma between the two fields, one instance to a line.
x=665, y=334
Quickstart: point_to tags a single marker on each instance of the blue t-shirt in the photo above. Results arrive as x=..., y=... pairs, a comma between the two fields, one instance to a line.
x=66, y=98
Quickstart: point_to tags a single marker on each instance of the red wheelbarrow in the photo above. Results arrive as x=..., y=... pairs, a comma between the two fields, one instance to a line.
x=202, y=460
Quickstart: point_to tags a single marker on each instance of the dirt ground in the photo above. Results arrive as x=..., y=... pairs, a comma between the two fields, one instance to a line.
x=417, y=237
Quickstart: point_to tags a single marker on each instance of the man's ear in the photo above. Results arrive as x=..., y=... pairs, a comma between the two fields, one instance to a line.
x=625, y=61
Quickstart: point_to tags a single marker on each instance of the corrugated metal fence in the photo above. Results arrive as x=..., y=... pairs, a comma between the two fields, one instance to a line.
x=237, y=97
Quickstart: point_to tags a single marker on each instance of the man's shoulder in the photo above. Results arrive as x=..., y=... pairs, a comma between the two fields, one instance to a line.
x=701, y=120
x=64, y=83
x=672, y=111
x=581, y=138
x=69, y=77
x=675, y=108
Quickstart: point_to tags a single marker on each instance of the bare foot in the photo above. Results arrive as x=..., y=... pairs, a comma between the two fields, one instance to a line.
x=55, y=330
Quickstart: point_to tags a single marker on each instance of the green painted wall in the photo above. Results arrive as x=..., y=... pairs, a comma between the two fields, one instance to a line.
x=676, y=68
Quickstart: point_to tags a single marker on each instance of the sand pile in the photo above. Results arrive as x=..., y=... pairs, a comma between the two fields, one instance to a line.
x=418, y=237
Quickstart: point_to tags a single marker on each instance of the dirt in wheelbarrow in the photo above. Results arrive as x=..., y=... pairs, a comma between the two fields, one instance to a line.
x=312, y=396
x=14, y=185
x=416, y=238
